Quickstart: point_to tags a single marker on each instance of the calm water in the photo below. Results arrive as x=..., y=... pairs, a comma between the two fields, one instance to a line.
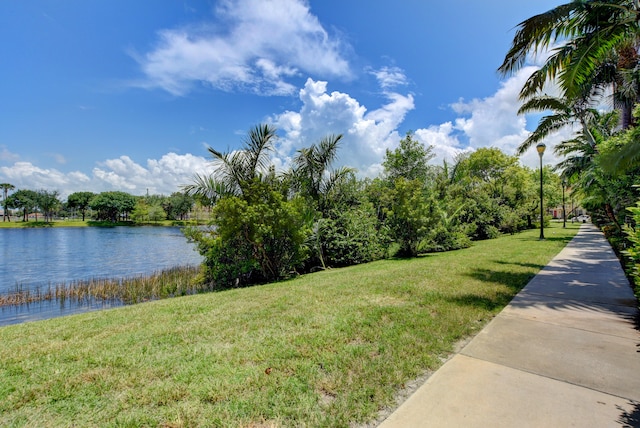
x=38, y=257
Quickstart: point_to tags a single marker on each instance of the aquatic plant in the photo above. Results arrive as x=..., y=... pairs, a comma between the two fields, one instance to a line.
x=177, y=281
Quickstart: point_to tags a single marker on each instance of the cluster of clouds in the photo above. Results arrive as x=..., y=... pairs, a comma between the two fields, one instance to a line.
x=158, y=176
x=265, y=47
x=255, y=46
x=367, y=134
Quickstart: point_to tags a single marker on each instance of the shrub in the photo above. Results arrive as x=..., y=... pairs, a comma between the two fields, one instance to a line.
x=351, y=237
x=253, y=239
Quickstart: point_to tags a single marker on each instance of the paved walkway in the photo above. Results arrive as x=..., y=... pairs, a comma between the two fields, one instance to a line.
x=564, y=352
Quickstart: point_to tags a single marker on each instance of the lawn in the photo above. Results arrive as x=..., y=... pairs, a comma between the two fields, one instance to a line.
x=331, y=348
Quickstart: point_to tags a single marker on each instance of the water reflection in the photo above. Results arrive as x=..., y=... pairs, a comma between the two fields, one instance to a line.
x=49, y=309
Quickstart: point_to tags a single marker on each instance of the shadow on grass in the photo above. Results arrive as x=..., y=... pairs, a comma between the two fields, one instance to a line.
x=565, y=239
x=33, y=224
x=527, y=265
x=499, y=301
x=514, y=280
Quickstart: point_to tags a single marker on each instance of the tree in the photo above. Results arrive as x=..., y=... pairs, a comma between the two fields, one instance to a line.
x=140, y=212
x=256, y=233
x=47, y=201
x=409, y=160
x=80, y=201
x=157, y=213
x=597, y=52
x=408, y=208
x=494, y=193
x=235, y=171
x=410, y=215
x=112, y=205
x=178, y=205
x=25, y=200
x=591, y=33
x=254, y=238
x=311, y=175
x=6, y=187
x=564, y=113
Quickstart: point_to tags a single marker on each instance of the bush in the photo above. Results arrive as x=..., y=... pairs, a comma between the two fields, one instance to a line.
x=351, y=237
x=441, y=239
x=253, y=239
x=632, y=252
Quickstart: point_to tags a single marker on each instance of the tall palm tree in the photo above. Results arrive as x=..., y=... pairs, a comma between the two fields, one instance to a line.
x=235, y=171
x=310, y=173
x=588, y=33
x=6, y=187
x=581, y=151
x=563, y=113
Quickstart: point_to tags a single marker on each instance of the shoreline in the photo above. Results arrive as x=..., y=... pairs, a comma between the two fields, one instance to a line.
x=92, y=223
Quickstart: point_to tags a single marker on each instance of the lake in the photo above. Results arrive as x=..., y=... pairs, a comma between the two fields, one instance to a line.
x=39, y=257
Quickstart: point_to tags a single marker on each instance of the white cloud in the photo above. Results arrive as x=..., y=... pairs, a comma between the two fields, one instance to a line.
x=160, y=176
x=446, y=145
x=390, y=77
x=25, y=175
x=6, y=155
x=486, y=122
x=490, y=122
x=60, y=159
x=253, y=45
x=367, y=135
x=493, y=121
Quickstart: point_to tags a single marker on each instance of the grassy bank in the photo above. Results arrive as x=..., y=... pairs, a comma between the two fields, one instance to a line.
x=327, y=349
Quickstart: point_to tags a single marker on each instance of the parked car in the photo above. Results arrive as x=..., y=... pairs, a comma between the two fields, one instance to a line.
x=582, y=218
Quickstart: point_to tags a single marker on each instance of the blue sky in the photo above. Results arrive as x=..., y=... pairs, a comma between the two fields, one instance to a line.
x=121, y=95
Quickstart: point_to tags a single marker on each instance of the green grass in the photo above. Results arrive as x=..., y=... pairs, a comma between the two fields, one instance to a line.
x=326, y=349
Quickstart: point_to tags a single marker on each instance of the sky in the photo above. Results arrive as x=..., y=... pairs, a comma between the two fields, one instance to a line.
x=128, y=95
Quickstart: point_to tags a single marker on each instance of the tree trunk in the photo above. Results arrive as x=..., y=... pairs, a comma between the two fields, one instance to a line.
x=612, y=216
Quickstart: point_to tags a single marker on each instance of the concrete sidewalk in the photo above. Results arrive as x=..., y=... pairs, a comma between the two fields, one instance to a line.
x=564, y=352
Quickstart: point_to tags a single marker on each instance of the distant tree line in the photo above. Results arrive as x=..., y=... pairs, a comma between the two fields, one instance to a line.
x=110, y=206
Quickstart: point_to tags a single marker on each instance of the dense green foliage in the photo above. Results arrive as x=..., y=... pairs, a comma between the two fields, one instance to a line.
x=113, y=206
x=80, y=201
x=267, y=225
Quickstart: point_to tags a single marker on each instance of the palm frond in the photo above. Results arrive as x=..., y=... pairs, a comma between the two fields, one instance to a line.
x=207, y=188
x=534, y=33
x=545, y=102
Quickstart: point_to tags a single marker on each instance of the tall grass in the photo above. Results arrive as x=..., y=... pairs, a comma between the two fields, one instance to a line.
x=177, y=281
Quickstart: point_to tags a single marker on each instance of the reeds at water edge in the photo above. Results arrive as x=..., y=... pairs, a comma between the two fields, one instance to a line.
x=177, y=281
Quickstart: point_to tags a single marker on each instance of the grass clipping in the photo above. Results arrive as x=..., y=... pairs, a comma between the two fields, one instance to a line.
x=328, y=349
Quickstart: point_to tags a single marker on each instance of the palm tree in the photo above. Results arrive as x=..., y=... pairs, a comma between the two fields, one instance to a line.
x=590, y=33
x=235, y=171
x=6, y=187
x=563, y=113
x=310, y=174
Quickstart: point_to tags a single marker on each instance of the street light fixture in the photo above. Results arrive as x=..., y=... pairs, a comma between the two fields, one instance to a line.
x=540, y=148
x=564, y=212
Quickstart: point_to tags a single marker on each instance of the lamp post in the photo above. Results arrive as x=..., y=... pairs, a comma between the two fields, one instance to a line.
x=564, y=212
x=540, y=148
